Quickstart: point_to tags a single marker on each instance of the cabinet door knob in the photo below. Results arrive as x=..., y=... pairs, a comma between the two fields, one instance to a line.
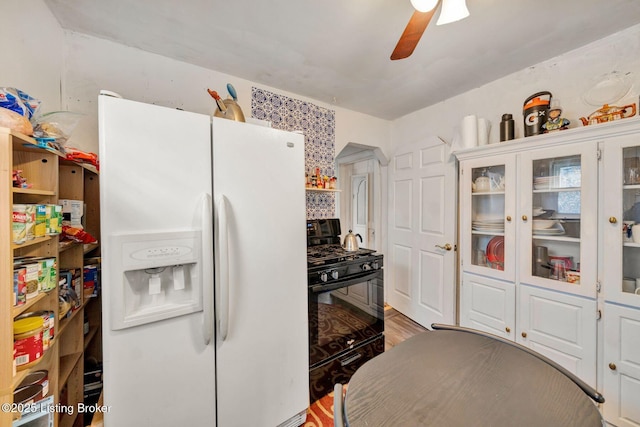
x=524, y=335
x=508, y=218
x=612, y=366
x=508, y=329
x=613, y=219
x=524, y=217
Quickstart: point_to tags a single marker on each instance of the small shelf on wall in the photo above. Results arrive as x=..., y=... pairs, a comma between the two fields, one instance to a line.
x=323, y=190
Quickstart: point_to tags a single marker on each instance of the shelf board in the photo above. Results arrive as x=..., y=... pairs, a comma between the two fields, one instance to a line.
x=487, y=193
x=67, y=363
x=323, y=190
x=631, y=245
x=35, y=241
x=18, y=310
x=486, y=233
x=556, y=238
x=557, y=190
x=88, y=247
x=64, y=322
x=90, y=335
x=33, y=191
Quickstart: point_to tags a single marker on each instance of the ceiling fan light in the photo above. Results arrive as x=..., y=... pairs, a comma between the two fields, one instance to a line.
x=452, y=11
x=424, y=5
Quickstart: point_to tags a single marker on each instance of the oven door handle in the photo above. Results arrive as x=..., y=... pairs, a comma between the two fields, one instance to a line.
x=361, y=277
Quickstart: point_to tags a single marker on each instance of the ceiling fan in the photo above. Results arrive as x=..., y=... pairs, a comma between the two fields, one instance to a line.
x=452, y=10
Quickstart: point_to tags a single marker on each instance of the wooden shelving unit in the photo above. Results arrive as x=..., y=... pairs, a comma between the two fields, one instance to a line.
x=52, y=178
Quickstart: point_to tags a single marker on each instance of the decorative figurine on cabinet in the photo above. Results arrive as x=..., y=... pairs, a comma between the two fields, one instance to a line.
x=555, y=121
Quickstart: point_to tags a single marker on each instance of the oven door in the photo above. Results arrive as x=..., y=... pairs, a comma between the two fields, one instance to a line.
x=344, y=314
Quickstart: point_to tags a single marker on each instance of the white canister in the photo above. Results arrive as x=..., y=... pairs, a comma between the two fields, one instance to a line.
x=484, y=128
x=628, y=285
x=469, y=131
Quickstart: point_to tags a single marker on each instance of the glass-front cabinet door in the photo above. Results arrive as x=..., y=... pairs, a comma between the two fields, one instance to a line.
x=488, y=212
x=557, y=218
x=621, y=219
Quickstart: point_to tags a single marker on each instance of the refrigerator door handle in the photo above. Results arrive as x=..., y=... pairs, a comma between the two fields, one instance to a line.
x=223, y=309
x=207, y=269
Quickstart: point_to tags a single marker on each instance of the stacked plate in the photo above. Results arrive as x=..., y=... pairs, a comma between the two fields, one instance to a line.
x=545, y=182
x=488, y=225
x=547, y=228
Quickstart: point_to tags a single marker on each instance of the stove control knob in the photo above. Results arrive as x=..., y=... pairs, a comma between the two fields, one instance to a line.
x=366, y=267
x=375, y=265
x=323, y=276
x=334, y=274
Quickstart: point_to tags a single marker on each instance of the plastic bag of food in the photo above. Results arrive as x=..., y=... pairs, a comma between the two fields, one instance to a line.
x=16, y=100
x=14, y=121
x=57, y=125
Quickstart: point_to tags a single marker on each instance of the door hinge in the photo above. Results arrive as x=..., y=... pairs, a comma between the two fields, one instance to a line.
x=599, y=153
x=598, y=286
x=598, y=314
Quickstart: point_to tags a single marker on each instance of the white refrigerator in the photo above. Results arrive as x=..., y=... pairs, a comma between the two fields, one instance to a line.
x=203, y=269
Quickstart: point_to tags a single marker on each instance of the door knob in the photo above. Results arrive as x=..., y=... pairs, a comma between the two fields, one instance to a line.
x=613, y=219
x=524, y=217
x=446, y=247
x=524, y=335
x=508, y=218
x=508, y=329
x=612, y=366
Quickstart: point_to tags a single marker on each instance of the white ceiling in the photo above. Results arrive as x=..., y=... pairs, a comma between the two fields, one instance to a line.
x=337, y=51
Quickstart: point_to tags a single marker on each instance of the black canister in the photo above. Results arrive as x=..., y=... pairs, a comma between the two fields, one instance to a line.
x=535, y=111
x=506, y=128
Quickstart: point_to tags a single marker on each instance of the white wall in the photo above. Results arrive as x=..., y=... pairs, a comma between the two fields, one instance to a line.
x=567, y=77
x=67, y=70
x=92, y=64
x=31, y=44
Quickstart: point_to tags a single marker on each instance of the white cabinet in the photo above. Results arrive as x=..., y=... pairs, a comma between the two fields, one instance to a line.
x=587, y=317
x=488, y=304
x=622, y=365
x=560, y=326
x=529, y=274
x=621, y=272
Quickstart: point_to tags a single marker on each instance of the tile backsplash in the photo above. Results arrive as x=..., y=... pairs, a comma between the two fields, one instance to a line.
x=318, y=126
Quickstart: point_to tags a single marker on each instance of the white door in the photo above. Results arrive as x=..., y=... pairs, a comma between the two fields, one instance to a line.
x=560, y=326
x=360, y=207
x=622, y=365
x=421, y=248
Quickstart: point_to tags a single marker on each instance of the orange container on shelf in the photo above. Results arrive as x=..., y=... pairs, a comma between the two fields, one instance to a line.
x=27, y=341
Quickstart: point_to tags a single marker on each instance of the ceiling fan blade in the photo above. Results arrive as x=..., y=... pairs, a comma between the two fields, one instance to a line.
x=412, y=33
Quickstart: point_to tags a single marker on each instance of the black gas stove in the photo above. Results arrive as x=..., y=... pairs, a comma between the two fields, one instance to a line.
x=346, y=306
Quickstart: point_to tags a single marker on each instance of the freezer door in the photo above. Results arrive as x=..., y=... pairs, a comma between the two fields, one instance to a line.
x=261, y=292
x=154, y=178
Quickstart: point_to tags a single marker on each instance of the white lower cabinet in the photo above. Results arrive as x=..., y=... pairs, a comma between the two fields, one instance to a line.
x=560, y=326
x=488, y=305
x=621, y=376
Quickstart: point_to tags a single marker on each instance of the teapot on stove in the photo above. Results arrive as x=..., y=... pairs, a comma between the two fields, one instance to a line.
x=609, y=113
x=350, y=242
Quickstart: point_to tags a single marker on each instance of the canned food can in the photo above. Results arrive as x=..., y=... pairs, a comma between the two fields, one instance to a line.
x=27, y=341
x=19, y=223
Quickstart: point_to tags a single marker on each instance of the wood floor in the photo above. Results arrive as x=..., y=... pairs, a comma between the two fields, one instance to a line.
x=398, y=327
